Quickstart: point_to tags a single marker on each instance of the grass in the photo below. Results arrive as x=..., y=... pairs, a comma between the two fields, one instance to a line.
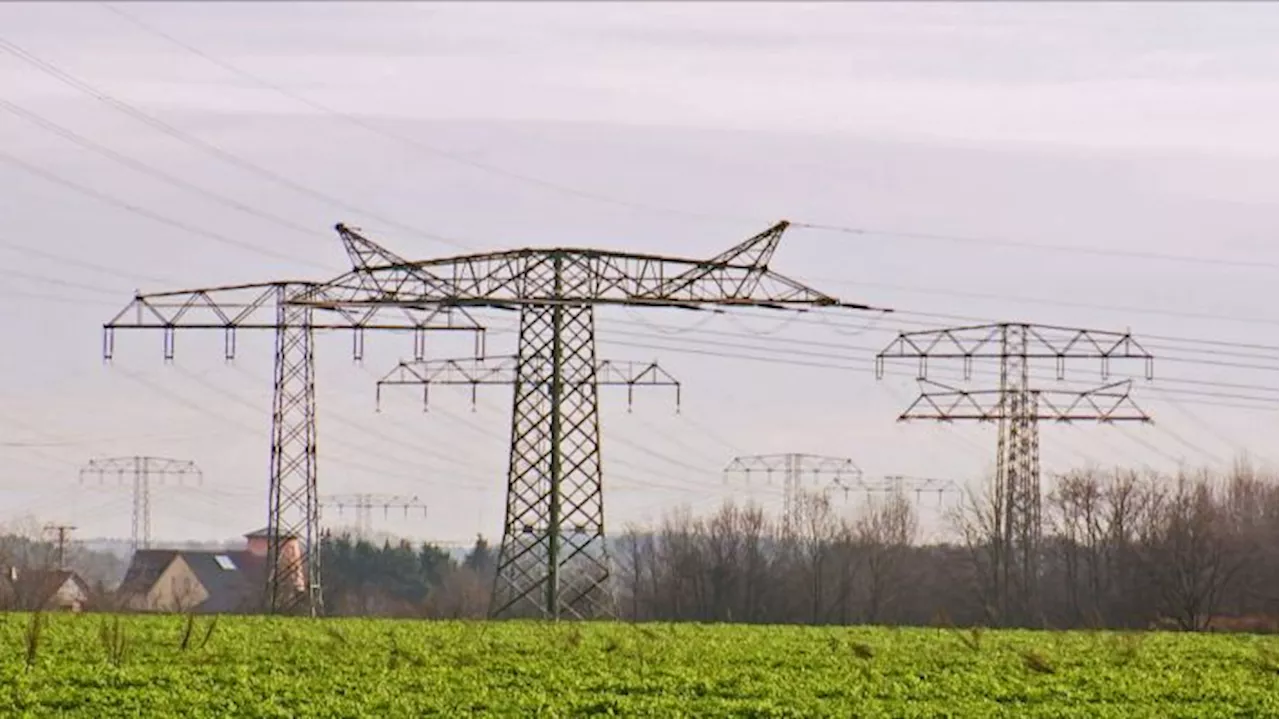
x=98, y=666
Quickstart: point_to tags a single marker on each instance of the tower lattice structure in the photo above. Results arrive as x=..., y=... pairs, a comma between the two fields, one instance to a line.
x=828, y=474
x=555, y=506
x=794, y=468
x=1018, y=407
x=363, y=504
x=289, y=310
x=141, y=471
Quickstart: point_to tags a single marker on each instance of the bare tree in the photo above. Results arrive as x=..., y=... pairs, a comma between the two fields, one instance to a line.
x=978, y=521
x=1188, y=552
x=815, y=531
x=885, y=531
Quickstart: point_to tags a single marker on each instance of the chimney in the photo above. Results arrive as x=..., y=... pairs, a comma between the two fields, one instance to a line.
x=256, y=543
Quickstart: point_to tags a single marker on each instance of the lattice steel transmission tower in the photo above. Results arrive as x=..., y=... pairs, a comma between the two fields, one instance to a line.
x=828, y=474
x=839, y=473
x=141, y=471
x=573, y=553
x=288, y=310
x=1018, y=408
x=555, y=447
x=363, y=504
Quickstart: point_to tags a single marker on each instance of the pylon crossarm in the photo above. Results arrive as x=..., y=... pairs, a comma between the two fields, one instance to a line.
x=895, y=482
x=809, y=463
x=985, y=342
x=475, y=372
x=257, y=307
x=1103, y=404
x=513, y=278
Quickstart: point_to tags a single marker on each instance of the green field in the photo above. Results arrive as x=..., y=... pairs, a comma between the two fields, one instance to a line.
x=264, y=667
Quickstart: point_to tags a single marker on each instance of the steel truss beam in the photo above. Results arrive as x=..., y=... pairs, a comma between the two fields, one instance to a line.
x=1105, y=404
x=738, y=276
x=294, y=574
x=477, y=372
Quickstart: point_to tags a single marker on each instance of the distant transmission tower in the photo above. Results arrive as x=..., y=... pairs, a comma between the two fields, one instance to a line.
x=554, y=527
x=293, y=312
x=828, y=474
x=363, y=505
x=141, y=470
x=1018, y=408
x=794, y=468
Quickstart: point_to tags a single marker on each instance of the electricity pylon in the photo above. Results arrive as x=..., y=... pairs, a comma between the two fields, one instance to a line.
x=572, y=547
x=141, y=470
x=555, y=435
x=902, y=485
x=364, y=503
x=839, y=472
x=292, y=498
x=829, y=474
x=1018, y=408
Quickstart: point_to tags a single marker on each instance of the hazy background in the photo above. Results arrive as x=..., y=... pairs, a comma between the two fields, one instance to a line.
x=1125, y=136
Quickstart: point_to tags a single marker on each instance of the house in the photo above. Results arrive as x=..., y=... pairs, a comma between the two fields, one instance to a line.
x=223, y=581
x=44, y=590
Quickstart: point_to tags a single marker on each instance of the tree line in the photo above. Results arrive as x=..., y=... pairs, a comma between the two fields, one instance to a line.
x=1120, y=549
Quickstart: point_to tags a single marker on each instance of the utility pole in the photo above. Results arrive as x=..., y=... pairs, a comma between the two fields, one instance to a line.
x=141, y=470
x=288, y=310
x=1018, y=408
x=553, y=561
x=62, y=531
x=364, y=503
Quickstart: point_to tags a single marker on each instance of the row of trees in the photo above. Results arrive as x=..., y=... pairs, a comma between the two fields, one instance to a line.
x=397, y=579
x=1121, y=549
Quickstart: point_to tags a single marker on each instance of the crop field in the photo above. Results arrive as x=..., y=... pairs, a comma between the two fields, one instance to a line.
x=103, y=666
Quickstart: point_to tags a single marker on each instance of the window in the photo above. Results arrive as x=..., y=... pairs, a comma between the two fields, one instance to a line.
x=225, y=562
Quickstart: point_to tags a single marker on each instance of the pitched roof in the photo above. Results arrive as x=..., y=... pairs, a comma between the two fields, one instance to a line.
x=145, y=568
x=233, y=580
x=37, y=587
x=265, y=533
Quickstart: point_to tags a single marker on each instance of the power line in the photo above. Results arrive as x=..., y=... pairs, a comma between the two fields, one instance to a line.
x=997, y=242
x=77, y=262
x=142, y=211
x=205, y=146
x=410, y=142
x=599, y=197
x=151, y=171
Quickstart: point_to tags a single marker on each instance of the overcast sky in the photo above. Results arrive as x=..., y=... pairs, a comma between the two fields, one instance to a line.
x=1124, y=136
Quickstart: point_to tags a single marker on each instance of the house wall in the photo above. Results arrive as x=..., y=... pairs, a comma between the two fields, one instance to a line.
x=70, y=596
x=176, y=590
x=290, y=556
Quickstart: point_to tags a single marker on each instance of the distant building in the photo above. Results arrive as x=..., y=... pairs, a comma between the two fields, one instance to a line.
x=225, y=581
x=44, y=590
